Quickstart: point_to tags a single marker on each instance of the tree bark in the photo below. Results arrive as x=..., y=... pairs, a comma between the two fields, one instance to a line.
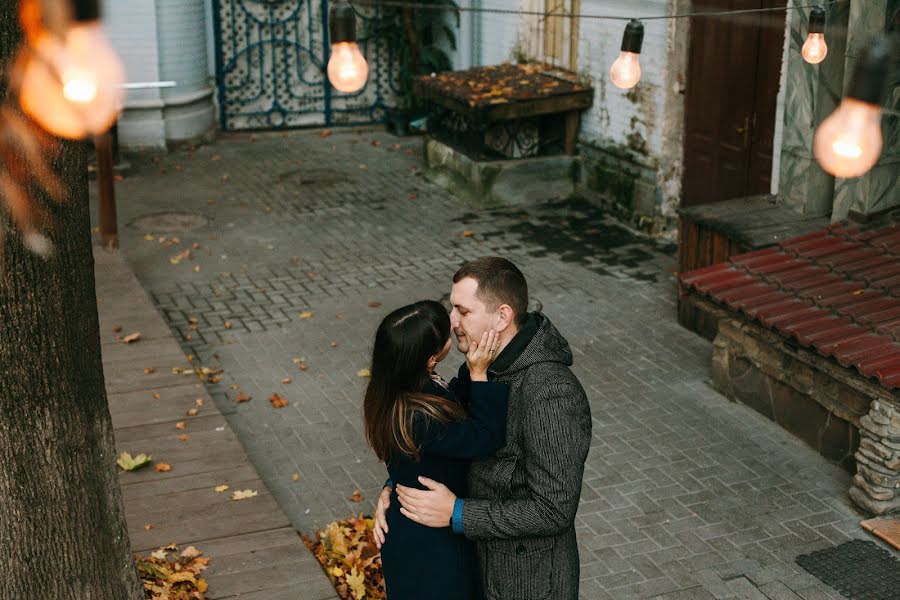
x=62, y=521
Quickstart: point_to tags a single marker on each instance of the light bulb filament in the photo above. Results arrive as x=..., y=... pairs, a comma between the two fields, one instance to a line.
x=79, y=89
x=846, y=149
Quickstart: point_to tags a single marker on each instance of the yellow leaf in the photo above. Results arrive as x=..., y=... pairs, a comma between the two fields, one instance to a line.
x=183, y=576
x=201, y=586
x=337, y=572
x=159, y=554
x=130, y=464
x=363, y=373
x=243, y=494
x=357, y=583
x=221, y=488
x=305, y=315
x=149, y=237
x=162, y=467
x=190, y=552
x=295, y=477
x=131, y=337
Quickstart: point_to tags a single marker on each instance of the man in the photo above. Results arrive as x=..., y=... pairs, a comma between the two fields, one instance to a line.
x=522, y=501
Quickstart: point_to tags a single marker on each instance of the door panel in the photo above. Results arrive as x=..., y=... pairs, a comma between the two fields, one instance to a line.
x=729, y=116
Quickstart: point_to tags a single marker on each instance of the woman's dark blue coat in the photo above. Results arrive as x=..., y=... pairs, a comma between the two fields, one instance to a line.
x=434, y=563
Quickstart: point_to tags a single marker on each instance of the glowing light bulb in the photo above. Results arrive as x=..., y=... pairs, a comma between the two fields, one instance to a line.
x=626, y=69
x=848, y=142
x=72, y=87
x=347, y=68
x=814, y=48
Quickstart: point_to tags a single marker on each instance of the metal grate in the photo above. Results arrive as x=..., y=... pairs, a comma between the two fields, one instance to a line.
x=857, y=569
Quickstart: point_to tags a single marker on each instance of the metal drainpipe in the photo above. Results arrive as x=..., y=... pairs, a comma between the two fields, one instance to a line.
x=476, y=20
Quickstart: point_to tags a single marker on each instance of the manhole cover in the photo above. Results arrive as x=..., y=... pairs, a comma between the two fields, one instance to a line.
x=169, y=221
x=858, y=569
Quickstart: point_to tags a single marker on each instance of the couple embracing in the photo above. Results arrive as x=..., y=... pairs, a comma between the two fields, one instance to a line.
x=486, y=469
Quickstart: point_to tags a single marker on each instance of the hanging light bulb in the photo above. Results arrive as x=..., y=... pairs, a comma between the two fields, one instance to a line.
x=70, y=81
x=347, y=68
x=626, y=69
x=814, y=48
x=848, y=142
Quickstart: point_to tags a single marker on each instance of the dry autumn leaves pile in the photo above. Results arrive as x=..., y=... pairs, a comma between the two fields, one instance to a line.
x=347, y=552
x=499, y=84
x=169, y=575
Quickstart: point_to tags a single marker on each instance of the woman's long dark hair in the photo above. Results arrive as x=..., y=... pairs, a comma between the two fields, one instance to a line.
x=405, y=340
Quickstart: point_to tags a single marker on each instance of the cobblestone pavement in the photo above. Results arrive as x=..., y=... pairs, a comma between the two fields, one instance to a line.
x=301, y=243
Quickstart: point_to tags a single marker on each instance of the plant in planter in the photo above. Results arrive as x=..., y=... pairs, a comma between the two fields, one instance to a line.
x=415, y=38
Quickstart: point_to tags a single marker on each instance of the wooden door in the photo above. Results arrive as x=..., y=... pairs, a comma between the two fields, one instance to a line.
x=734, y=67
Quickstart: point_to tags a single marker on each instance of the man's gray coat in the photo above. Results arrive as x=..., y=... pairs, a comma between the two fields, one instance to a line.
x=522, y=501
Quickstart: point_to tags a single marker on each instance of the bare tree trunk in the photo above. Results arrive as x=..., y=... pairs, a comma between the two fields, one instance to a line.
x=62, y=523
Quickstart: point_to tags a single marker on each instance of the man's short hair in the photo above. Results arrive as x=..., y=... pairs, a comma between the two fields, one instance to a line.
x=499, y=282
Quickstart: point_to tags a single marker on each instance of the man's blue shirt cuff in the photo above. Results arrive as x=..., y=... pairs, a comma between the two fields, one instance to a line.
x=389, y=483
x=456, y=522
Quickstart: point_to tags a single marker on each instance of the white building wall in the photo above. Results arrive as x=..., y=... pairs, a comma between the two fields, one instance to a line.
x=162, y=40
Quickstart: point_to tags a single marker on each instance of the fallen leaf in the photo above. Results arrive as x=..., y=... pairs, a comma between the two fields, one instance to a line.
x=287, y=380
x=149, y=237
x=192, y=412
x=374, y=304
x=180, y=256
x=117, y=329
x=196, y=268
x=468, y=233
x=277, y=401
x=306, y=315
x=333, y=344
x=357, y=583
x=131, y=337
x=235, y=386
x=156, y=395
x=221, y=488
x=303, y=366
x=179, y=425
x=228, y=325
x=363, y=373
x=149, y=370
x=159, y=554
x=162, y=467
x=129, y=463
x=412, y=196
x=297, y=360
x=295, y=477
x=190, y=552
x=242, y=397
x=148, y=527
x=199, y=402
x=356, y=496
x=243, y=494
x=324, y=133
x=183, y=437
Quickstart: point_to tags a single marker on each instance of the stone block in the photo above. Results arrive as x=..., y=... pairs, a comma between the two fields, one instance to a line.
x=502, y=182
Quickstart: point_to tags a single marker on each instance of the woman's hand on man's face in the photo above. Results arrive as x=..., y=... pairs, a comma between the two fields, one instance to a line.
x=481, y=354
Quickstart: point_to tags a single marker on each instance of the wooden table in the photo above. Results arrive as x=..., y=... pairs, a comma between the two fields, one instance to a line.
x=510, y=92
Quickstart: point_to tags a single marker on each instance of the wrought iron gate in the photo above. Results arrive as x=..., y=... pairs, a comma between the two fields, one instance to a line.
x=270, y=67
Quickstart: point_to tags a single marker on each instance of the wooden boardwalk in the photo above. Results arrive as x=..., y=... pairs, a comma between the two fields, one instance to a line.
x=255, y=552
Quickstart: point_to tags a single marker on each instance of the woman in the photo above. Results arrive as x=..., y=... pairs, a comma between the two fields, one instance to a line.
x=419, y=425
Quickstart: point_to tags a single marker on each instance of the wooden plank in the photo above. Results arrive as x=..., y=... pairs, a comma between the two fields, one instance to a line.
x=200, y=515
x=886, y=529
x=249, y=543
x=541, y=106
x=271, y=578
x=572, y=120
x=128, y=375
x=235, y=477
x=185, y=462
x=142, y=408
x=145, y=434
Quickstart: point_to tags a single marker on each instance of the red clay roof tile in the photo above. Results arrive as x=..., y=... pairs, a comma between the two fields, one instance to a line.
x=836, y=290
